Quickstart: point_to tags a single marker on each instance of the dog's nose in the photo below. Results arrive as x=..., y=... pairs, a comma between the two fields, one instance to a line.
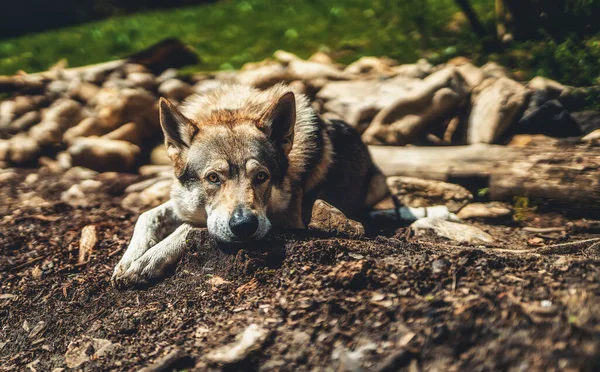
x=243, y=223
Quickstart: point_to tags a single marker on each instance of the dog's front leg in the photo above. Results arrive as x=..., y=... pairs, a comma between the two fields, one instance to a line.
x=151, y=227
x=156, y=260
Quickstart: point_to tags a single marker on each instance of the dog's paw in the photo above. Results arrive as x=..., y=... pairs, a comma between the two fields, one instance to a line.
x=139, y=273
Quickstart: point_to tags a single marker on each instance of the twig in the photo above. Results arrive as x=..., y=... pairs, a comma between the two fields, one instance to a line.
x=544, y=230
x=25, y=264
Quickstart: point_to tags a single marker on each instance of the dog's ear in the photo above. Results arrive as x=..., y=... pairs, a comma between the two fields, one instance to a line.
x=279, y=120
x=178, y=131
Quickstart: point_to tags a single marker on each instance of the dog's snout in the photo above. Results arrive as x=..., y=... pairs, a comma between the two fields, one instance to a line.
x=243, y=223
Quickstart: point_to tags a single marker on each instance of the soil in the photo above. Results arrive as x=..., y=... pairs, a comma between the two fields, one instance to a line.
x=385, y=303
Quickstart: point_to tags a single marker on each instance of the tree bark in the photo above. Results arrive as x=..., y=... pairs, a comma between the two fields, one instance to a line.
x=476, y=25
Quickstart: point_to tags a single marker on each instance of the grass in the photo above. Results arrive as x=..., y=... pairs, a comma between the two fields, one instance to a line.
x=227, y=34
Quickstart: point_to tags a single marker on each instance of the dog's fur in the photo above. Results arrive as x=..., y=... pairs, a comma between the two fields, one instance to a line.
x=243, y=154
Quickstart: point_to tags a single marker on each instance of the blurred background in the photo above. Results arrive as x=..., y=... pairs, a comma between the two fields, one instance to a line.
x=556, y=39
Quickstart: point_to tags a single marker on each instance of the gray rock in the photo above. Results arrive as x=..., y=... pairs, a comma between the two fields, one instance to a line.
x=451, y=230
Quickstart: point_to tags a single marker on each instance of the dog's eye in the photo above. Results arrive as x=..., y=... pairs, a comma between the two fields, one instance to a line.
x=261, y=176
x=213, y=178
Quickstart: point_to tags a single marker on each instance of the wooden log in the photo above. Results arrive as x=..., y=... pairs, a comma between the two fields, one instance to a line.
x=565, y=175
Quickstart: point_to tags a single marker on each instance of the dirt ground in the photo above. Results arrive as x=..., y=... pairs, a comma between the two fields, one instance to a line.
x=382, y=303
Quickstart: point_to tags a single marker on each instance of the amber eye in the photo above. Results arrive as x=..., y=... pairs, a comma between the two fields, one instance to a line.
x=213, y=178
x=261, y=176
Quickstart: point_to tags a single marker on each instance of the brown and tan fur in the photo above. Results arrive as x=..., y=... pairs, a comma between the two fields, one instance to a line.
x=240, y=154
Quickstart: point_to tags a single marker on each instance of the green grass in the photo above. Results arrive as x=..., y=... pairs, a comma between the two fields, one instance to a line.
x=227, y=34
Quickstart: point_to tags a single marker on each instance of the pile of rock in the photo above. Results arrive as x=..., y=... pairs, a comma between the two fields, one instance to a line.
x=104, y=117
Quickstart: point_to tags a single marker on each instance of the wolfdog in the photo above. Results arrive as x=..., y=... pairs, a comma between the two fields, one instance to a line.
x=246, y=160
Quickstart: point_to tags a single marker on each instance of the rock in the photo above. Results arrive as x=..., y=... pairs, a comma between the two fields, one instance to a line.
x=65, y=160
x=358, y=101
x=305, y=70
x=4, y=150
x=156, y=170
x=78, y=195
x=550, y=118
x=495, y=109
x=320, y=57
x=143, y=80
x=152, y=196
x=493, y=69
x=83, y=91
x=326, y=217
x=484, y=211
x=252, y=339
x=264, y=76
x=170, y=73
x=440, y=266
x=375, y=66
x=175, y=89
x=24, y=122
x=57, y=88
x=88, y=348
x=592, y=137
x=115, y=107
x=587, y=121
x=87, y=242
x=552, y=88
x=103, y=154
x=86, y=128
x=7, y=114
x=59, y=117
x=472, y=74
x=419, y=70
x=31, y=179
x=532, y=140
x=79, y=173
x=22, y=149
x=158, y=156
x=409, y=117
x=417, y=192
x=285, y=57
x=129, y=132
x=451, y=230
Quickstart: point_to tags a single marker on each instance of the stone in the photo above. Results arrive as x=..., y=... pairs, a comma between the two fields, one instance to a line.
x=417, y=192
x=142, y=79
x=78, y=195
x=175, y=89
x=484, y=211
x=493, y=69
x=79, y=173
x=320, y=57
x=206, y=86
x=115, y=107
x=62, y=115
x=264, y=76
x=103, y=154
x=358, y=101
x=23, y=149
x=419, y=70
x=451, y=230
x=158, y=156
x=24, y=122
x=170, y=73
x=305, y=70
x=376, y=66
x=552, y=88
x=152, y=196
x=587, y=120
x=86, y=128
x=592, y=137
x=326, y=217
x=495, y=109
x=409, y=117
x=83, y=91
x=250, y=340
x=86, y=349
x=550, y=118
x=285, y=57
x=472, y=74
x=130, y=132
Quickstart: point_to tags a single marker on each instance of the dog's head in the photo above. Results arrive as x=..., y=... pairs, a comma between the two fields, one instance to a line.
x=228, y=167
